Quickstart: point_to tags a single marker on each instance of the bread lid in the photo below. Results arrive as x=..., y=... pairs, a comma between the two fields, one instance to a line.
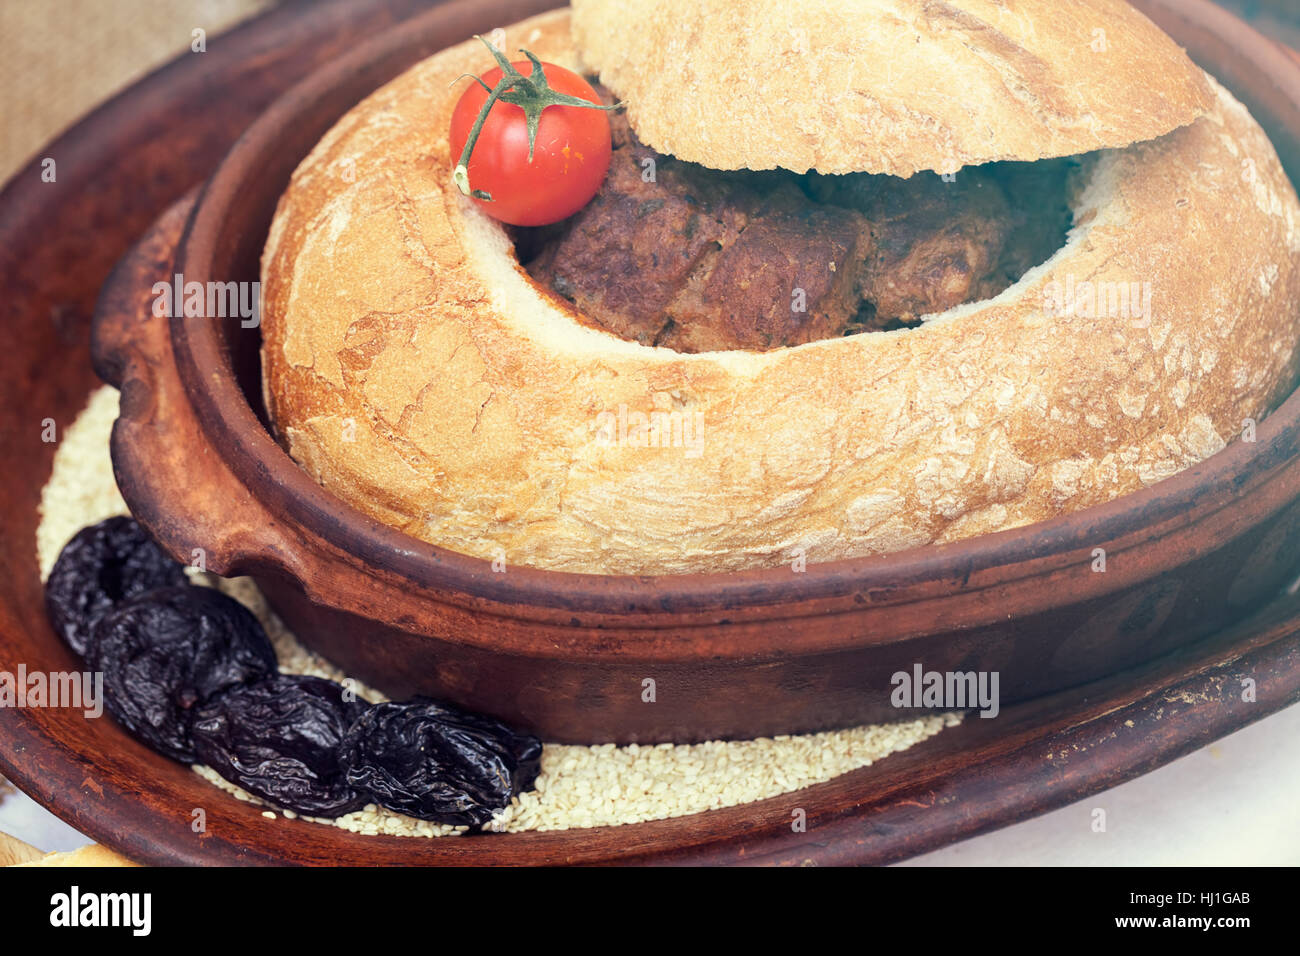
x=887, y=86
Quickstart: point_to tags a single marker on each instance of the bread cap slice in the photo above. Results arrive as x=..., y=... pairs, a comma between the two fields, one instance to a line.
x=887, y=86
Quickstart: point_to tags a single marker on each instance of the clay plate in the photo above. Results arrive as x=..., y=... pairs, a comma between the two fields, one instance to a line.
x=981, y=775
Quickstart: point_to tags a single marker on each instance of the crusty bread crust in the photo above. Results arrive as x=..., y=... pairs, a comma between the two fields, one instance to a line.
x=887, y=86
x=415, y=370
x=91, y=855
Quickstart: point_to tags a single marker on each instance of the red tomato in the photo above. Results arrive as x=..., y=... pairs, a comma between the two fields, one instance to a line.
x=570, y=156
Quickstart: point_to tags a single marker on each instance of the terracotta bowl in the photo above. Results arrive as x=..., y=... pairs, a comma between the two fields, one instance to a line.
x=730, y=655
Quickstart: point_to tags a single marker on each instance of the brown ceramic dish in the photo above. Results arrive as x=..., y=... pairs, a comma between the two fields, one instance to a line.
x=735, y=655
x=976, y=777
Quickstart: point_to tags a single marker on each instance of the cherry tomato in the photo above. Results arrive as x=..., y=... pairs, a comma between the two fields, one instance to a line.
x=570, y=156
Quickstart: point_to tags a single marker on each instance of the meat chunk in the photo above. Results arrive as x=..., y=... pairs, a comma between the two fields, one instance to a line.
x=934, y=240
x=787, y=278
x=625, y=256
x=694, y=260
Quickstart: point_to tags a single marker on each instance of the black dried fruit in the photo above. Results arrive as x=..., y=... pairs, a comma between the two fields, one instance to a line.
x=166, y=651
x=279, y=739
x=101, y=566
x=431, y=761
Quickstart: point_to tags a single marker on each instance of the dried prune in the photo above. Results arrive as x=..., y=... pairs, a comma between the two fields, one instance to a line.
x=165, y=651
x=279, y=739
x=434, y=762
x=101, y=566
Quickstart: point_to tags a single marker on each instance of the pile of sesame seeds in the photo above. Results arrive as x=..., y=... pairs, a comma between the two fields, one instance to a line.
x=578, y=786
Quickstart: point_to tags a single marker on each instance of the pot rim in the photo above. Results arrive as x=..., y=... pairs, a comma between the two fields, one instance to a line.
x=287, y=491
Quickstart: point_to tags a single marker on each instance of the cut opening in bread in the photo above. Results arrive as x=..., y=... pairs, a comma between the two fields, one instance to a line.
x=674, y=255
x=506, y=257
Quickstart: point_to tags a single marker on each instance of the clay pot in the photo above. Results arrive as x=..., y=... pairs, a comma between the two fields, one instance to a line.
x=575, y=657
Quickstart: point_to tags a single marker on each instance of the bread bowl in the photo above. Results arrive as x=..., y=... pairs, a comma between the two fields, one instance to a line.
x=412, y=366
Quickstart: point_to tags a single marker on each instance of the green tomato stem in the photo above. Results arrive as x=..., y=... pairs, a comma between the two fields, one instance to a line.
x=461, y=176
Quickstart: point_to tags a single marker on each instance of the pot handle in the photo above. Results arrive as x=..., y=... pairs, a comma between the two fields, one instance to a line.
x=169, y=475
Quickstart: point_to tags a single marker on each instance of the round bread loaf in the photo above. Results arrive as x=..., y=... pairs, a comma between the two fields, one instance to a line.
x=413, y=367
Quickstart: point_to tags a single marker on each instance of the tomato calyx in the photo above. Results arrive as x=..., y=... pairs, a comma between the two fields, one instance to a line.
x=532, y=94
